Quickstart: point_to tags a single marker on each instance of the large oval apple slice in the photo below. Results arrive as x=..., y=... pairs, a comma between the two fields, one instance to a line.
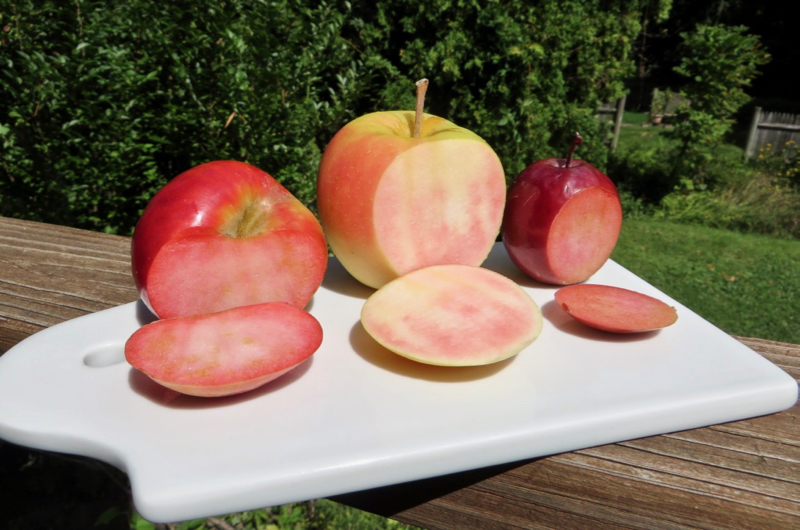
x=452, y=315
x=225, y=353
x=615, y=309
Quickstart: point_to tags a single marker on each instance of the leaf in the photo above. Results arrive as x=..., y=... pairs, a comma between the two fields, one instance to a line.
x=107, y=516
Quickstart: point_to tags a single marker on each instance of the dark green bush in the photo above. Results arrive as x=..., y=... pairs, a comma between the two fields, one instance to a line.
x=101, y=103
x=718, y=63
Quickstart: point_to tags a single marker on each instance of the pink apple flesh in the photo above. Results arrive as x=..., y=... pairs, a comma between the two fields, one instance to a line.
x=225, y=353
x=561, y=223
x=226, y=234
x=615, y=309
x=390, y=203
x=452, y=315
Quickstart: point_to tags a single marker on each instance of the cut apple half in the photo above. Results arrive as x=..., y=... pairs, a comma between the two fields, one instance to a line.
x=615, y=309
x=452, y=315
x=225, y=353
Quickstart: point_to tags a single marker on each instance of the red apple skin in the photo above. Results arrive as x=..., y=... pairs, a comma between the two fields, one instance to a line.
x=226, y=234
x=225, y=353
x=391, y=203
x=561, y=223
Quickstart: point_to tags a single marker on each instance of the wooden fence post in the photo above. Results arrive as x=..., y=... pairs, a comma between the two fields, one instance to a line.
x=618, y=121
x=749, y=151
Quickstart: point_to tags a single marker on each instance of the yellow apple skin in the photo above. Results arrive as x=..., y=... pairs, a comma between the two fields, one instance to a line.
x=390, y=203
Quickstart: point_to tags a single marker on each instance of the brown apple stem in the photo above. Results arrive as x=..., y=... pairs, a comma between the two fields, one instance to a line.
x=422, y=87
x=576, y=141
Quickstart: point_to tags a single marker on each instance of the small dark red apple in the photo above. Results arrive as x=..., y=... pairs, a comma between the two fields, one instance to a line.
x=562, y=219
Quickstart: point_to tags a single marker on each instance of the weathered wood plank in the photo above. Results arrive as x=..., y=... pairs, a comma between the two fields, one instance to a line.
x=49, y=274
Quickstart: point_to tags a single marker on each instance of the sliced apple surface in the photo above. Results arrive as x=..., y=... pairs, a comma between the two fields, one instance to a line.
x=452, y=315
x=615, y=309
x=225, y=353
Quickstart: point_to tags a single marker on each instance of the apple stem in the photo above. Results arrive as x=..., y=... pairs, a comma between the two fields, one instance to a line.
x=576, y=141
x=422, y=87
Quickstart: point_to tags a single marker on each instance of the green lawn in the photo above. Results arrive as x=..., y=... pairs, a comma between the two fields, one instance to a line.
x=745, y=284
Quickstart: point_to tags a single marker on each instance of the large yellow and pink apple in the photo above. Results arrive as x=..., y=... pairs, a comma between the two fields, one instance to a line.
x=226, y=234
x=392, y=201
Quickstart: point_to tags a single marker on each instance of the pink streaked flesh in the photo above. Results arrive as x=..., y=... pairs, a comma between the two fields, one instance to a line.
x=435, y=205
x=615, y=309
x=452, y=315
x=583, y=235
x=225, y=353
x=208, y=273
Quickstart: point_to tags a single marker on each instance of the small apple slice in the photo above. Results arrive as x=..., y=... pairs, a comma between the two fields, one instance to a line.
x=615, y=309
x=225, y=353
x=452, y=315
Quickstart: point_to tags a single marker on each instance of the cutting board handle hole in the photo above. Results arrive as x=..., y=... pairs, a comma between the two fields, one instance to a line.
x=103, y=356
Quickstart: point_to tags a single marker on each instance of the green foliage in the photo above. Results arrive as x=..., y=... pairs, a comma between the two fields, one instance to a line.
x=760, y=197
x=756, y=207
x=515, y=72
x=311, y=515
x=641, y=164
x=780, y=163
x=718, y=62
x=658, y=104
x=102, y=103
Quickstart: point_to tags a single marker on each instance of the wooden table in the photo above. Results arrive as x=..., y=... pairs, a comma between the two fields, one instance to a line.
x=744, y=474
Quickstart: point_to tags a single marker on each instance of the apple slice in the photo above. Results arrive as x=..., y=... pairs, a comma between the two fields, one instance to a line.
x=615, y=309
x=452, y=315
x=225, y=353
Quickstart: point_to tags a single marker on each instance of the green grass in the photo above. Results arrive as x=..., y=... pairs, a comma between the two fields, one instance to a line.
x=635, y=118
x=745, y=284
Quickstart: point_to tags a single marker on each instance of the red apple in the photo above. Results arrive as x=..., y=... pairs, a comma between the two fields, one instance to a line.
x=452, y=315
x=615, y=309
x=391, y=202
x=224, y=353
x=562, y=219
x=226, y=234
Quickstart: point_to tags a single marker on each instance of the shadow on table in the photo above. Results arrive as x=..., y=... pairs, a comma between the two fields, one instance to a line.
x=388, y=501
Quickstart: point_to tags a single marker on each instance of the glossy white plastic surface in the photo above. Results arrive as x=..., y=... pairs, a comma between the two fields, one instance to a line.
x=356, y=416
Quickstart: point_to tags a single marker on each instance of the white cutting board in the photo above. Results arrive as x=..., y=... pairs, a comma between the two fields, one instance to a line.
x=356, y=416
